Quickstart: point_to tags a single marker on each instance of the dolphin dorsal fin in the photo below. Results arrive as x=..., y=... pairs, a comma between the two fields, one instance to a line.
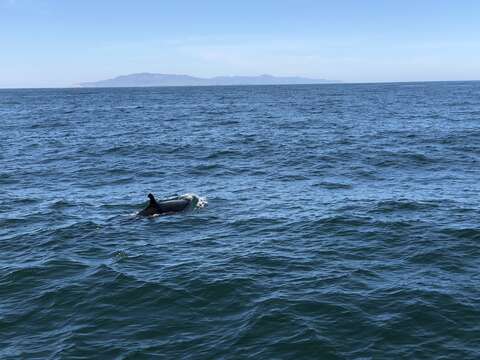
x=153, y=202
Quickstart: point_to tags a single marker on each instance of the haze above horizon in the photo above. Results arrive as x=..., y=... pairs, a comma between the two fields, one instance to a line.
x=53, y=43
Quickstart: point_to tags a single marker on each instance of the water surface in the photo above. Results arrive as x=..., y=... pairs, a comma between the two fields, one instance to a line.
x=342, y=222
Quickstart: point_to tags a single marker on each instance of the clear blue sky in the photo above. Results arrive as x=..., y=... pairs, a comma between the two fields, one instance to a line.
x=63, y=42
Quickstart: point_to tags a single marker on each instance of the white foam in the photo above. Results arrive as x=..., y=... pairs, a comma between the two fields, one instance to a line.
x=197, y=201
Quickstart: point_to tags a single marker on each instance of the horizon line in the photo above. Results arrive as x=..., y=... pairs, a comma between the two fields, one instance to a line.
x=332, y=82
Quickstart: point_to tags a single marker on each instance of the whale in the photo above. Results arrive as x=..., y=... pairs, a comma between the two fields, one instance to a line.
x=164, y=207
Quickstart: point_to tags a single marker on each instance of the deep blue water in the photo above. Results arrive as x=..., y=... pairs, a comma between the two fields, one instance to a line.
x=342, y=222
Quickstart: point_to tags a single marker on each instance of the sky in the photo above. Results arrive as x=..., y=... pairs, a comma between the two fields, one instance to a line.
x=59, y=43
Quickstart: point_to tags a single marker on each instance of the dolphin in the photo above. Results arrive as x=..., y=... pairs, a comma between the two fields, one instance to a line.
x=164, y=207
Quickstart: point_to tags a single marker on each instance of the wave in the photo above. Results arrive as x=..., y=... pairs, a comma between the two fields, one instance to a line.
x=404, y=205
x=334, y=185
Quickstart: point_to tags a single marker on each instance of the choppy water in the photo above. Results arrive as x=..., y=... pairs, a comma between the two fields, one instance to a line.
x=342, y=222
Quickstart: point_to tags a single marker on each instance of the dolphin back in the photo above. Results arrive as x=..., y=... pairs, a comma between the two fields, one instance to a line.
x=173, y=205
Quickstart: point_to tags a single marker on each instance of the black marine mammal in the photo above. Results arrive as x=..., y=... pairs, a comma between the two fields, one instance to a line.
x=164, y=207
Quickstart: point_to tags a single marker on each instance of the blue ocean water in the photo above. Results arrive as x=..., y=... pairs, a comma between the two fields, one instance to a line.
x=342, y=222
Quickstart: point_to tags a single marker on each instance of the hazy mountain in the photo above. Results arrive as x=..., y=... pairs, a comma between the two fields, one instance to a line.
x=149, y=79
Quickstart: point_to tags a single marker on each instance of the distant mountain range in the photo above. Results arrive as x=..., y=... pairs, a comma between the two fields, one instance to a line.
x=149, y=79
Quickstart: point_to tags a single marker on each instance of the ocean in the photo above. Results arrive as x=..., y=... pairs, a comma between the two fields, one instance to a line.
x=337, y=222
